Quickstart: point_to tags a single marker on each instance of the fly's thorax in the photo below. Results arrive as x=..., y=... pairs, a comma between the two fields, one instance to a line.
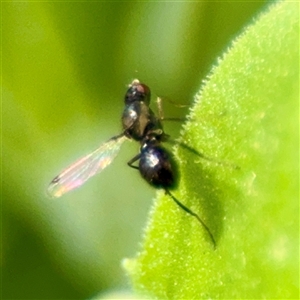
x=139, y=121
x=135, y=119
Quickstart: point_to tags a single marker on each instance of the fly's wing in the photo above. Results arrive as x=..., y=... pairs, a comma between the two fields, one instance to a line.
x=80, y=171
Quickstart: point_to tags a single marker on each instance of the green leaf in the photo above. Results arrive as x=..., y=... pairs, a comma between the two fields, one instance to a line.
x=246, y=114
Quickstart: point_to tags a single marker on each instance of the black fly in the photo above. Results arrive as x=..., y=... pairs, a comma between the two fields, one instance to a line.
x=156, y=165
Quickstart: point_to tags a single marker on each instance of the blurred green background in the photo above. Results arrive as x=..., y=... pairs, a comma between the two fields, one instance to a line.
x=65, y=67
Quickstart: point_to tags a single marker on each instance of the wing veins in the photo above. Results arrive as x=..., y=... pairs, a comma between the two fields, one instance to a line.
x=86, y=167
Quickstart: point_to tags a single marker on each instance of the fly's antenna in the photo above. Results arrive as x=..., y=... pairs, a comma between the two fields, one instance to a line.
x=186, y=209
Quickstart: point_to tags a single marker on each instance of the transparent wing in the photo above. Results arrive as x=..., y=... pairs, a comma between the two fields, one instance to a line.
x=86, y=167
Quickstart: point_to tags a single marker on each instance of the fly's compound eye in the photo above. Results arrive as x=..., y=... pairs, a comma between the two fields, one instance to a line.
x=137, y=92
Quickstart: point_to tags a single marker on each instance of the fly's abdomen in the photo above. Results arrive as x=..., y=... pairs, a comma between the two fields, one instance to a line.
x=157, y=167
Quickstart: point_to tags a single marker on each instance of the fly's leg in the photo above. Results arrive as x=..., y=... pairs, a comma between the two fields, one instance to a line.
x=161, y=112
x=133, y=160
x=189, y=211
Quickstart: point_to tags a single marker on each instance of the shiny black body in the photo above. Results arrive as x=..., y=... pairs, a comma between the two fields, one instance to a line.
x=156, y=165
x=140, y=123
